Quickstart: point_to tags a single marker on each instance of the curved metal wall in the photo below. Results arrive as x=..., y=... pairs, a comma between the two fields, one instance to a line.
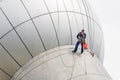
x=29, y=27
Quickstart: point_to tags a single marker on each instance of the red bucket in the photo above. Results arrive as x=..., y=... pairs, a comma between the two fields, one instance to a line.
x=85, y=46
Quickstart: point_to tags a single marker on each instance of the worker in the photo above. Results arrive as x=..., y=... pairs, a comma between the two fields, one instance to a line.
x=81, y=36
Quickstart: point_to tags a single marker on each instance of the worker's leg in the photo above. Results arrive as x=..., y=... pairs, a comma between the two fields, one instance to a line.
x=81, y=48
x=76, y=46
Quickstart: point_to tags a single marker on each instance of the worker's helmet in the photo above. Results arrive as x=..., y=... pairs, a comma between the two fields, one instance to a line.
x=82, y=30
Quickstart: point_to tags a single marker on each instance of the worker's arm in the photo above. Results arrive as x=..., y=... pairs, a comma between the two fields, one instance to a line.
x=84, y=35
x=78, y=36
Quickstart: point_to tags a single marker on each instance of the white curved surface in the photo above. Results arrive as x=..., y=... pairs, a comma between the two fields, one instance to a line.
x=61, y=64
x=30, y=27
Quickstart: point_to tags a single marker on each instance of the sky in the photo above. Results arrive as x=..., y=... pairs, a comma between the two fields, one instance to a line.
x=108, y=12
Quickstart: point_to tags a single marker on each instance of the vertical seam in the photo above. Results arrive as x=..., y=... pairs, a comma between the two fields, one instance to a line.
x=52, y=22
x=33, y=24
x=17, y=33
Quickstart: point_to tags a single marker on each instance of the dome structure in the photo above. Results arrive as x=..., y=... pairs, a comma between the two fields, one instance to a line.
x=31, y=27
x=60, y=64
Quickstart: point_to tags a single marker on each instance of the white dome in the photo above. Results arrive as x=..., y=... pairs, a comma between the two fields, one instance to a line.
x=60, y=64
x=30, y=27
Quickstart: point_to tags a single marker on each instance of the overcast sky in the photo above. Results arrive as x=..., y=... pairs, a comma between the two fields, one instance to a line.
x=108, y=12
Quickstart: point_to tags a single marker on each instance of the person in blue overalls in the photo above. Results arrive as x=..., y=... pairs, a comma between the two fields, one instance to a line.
x=81, y=38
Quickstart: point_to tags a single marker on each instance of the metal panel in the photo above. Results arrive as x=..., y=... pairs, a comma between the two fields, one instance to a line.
x=6, y=60
x=75, y=5
x=80, y=3
x=4, y=25
x=56, y=18
x=89, y=8
x=46, y=29
x=92, y=33
x=74, y=26
x=80, y=21
x=16, y=48
x=15, y=11
x=101, y=55
x=97, y=40
x=3, y=76
x=52, y=5
x=64, y=31
x=30, y=37
x=68, y=5
x=60, y=5
x=35, y=7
